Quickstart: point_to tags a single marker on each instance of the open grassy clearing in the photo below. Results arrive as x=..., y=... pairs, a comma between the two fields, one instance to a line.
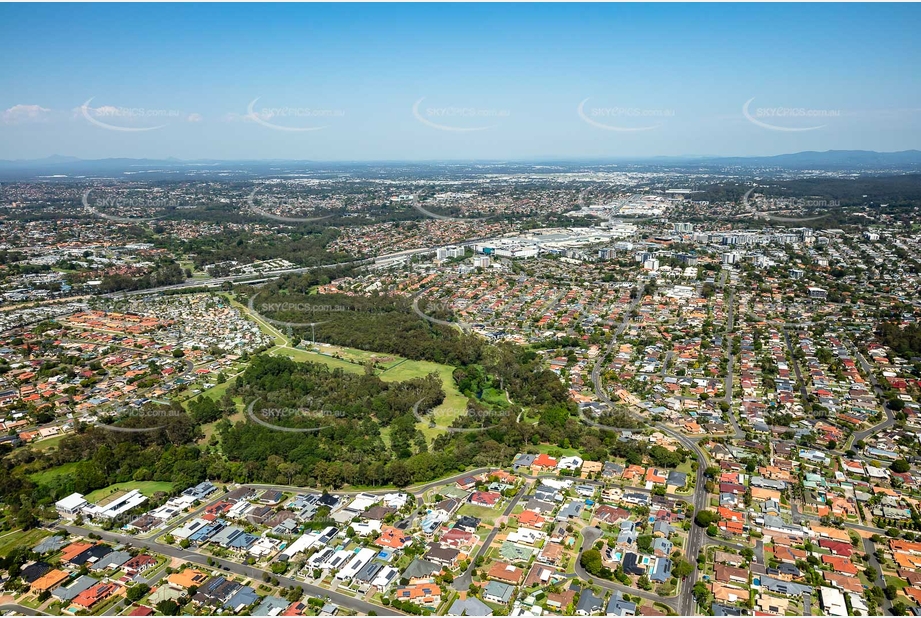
x=44, y=445
x=148, y=488
x=48, y=476
x=20, y=538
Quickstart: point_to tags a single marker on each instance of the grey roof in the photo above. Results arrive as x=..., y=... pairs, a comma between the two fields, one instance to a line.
x=678, y=479
x=524, y=459
x=368, y=572
x=726, y=610
x=499, y=590
x=618, y=607
x=663, y=526
x=663, y=545
x=570, y=510
x=70, y=592
x=788, y=588
x=421, y=568
x=471, y=606
x=51, y=544
x=589, y=603
x=243, y=597
x=269, y=604
x=111, y=560
x=662, y=570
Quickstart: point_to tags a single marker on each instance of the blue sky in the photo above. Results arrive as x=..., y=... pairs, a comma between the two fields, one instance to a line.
x=451, y=81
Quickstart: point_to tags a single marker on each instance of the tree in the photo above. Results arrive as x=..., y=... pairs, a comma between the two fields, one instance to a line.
x=705, y=517
x=900, y=466
x=682, y=568
x=137, y=592
x=591, y=561
x=168, y=608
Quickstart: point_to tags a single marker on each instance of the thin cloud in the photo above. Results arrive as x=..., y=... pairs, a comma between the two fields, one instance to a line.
x=19, y=114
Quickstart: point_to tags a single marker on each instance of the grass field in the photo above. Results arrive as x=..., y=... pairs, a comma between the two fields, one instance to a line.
x=148, y=488
x=47, y=476
x=486, y=514
x=394, y=369
x=17, y=538
x=399, y=370
x=44, y=445
x=567, y=452
x=303, y=356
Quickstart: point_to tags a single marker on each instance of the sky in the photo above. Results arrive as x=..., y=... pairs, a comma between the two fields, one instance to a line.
x=373, y=82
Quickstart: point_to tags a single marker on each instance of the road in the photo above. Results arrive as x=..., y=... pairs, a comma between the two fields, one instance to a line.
x=685, y=602
x=730, y=362
x=188, y=555
x=596, y=370
x=799, y=376
x=590, y=534
x=21, y=609
x=870, y=550
x=890, y=417
x=462, y=583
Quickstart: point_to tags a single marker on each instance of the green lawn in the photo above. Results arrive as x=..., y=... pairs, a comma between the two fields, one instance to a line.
x=217, y=391
x=303, y=356
x=898, y=582
x=400, y=370
x=567, y=452
x=18, y=538
x=484, y=513
x=148, y=488
x=44, y=445
x=47, y=476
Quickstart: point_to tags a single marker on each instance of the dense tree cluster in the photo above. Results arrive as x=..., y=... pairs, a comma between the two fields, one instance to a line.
x=905, y=342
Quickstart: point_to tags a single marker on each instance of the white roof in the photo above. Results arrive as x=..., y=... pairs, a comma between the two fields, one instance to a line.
x=71, y=502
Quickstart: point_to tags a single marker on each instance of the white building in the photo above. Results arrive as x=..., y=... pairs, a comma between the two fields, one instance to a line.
x=120, y=505
x=481, y=262
x=71, y=505
x=832, y=601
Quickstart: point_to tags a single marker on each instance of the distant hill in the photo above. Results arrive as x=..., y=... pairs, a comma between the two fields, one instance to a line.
x=830, y=158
